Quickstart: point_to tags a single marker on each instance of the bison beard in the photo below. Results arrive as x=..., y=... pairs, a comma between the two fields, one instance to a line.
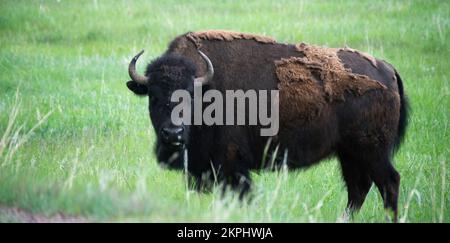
x=332, y=102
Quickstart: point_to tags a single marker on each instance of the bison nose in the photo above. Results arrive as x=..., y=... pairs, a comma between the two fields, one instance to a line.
x=172, y=135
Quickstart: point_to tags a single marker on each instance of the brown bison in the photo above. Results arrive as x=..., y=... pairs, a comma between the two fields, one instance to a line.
x=332, y=102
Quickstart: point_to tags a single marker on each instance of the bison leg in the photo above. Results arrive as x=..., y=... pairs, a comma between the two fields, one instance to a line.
x=238, y=181
x=202, y=182
x=235, y=180
x=380, y=170
x=387, y=179
x=357, y=180
x=231, y=169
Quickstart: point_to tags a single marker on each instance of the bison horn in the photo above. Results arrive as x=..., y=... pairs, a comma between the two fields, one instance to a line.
x=140, y=79
x=209, y=73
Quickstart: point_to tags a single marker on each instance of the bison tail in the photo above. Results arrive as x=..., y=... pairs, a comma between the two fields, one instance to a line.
x=404, y=113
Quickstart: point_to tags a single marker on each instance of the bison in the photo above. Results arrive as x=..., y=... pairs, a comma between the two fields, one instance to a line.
x=332, y=102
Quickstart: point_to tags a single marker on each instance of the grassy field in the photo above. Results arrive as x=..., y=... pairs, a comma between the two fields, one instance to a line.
x=91, y=156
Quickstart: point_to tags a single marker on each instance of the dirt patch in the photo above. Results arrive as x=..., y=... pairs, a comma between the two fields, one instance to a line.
x=15, y=214
x=225, y=35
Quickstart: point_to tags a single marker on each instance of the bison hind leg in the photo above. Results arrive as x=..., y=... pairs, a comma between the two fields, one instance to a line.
x=364, y=166
x=357, y=180
x=387, y=180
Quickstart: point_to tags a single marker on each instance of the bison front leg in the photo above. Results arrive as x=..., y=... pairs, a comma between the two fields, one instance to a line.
x=231, y=170
x=238, y=181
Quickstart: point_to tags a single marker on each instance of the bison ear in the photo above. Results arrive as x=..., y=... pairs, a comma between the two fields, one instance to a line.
x=138, y=89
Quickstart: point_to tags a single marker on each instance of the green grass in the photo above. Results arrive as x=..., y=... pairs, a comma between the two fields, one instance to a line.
x=93, y=155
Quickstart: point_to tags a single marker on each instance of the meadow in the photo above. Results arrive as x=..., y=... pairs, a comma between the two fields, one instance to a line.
x=75, y=141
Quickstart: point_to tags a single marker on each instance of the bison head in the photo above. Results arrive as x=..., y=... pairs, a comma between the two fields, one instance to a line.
x=163, y=76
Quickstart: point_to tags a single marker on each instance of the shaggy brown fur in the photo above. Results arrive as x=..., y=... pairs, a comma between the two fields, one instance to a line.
x=301, y=95
x=307, y=82
x=225, y=35
x=335, y=77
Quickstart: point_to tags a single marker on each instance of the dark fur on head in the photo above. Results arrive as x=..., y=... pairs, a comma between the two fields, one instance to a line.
x=171, y=70
x=167, y=73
